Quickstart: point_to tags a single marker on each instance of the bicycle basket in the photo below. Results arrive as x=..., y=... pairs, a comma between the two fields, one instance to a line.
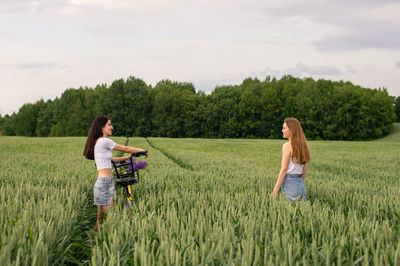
x=125, y=172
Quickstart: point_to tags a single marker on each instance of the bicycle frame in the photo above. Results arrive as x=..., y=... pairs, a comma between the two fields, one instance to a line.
x=126, y=178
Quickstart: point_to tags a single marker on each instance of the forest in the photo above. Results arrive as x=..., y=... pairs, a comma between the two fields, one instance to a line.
x=331, y=110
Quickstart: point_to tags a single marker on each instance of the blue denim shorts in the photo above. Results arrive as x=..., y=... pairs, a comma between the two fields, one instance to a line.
x=294, y=187
x=104, y=190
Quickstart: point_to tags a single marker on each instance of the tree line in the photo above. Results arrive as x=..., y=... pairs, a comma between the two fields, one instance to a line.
x=334, y=110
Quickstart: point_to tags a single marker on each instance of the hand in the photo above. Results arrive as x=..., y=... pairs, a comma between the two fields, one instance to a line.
x=130, y=155
x=274, y=194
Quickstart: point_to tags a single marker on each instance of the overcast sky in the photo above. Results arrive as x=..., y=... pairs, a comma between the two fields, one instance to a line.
x=51, y=45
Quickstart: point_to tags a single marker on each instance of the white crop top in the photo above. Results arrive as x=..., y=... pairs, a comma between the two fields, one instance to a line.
x=294, y=168
x=103, y=153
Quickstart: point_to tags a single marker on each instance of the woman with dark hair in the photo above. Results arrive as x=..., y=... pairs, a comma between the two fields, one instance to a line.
x=99, y=148
x=295, y=158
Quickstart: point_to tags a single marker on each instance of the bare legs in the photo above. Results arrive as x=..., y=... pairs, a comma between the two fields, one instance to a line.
x=101, y=213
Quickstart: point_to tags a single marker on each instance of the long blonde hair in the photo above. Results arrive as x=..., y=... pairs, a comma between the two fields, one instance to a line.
x=298, y=141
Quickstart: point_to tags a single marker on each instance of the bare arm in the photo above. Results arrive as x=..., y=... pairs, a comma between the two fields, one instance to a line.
x=286, y=151
x=305, y=170
x=127, y=149
x=120, y=159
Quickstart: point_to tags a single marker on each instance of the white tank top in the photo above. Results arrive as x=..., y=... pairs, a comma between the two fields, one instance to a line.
x=294, y=168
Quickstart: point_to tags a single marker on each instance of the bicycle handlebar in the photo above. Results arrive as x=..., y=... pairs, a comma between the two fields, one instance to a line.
x=138, y=154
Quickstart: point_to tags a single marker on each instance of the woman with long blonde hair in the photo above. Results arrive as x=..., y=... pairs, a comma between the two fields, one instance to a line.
x=295, y=158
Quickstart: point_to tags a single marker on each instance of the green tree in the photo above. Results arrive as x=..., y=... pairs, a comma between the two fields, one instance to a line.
x=26, y=119
x=2, y=120
x=129, y=106
x=397, y=108
x=173, y=105
x=381, y=113
x=74, y=112
x=259, y=109
x=45, y=118
x=256, y=109
x=226, y=100
x=204, y=116
x=287, y=89
x=9, y=124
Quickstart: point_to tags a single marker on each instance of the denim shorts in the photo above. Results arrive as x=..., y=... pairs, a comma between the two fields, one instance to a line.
x=294, y=187
x=104, y=190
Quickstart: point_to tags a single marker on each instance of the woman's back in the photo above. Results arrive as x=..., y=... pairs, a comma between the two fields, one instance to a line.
x=294, y=168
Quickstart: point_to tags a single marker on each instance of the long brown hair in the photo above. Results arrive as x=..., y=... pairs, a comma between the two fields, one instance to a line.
x=298, y=141
x=95, y=132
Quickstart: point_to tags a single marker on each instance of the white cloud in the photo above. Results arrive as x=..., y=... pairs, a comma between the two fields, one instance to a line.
x=350, y=70
x=379, y=35
x=103, y=4
x=317, y=70
x=4, y=33
x=35, y=65
x=21, y=6
x=388, y=12
x=347, y=25
x=300, y=70
x=51, y=45
x=124, y=6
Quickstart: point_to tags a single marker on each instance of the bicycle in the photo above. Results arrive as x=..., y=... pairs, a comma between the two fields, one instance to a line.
x=127, y=174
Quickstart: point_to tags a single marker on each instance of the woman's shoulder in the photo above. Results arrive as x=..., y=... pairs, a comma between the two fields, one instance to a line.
x=102, y=140
x=287, y=148
x=105, y=143
x=287, y=145
x=109, y=143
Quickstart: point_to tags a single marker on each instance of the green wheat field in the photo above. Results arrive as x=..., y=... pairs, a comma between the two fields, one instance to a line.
x=202, y=202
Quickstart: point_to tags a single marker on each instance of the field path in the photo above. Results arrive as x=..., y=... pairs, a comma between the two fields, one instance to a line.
x=169, y=155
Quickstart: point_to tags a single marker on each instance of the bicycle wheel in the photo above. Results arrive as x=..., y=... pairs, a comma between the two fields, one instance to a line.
x=128, y=205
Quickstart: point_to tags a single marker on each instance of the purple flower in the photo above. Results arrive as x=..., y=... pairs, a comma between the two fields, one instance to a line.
x=136, y=166
x=129, y=160
x=140, y=165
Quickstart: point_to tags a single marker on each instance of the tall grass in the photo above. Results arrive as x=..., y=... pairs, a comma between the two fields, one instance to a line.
x=221, y=212
x=46, y=200
x=217, y=212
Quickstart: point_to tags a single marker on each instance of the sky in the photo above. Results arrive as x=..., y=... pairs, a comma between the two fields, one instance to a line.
x=48, y=46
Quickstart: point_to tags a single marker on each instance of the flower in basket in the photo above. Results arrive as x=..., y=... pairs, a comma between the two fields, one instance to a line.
x=137, y=166
x=140, y=165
